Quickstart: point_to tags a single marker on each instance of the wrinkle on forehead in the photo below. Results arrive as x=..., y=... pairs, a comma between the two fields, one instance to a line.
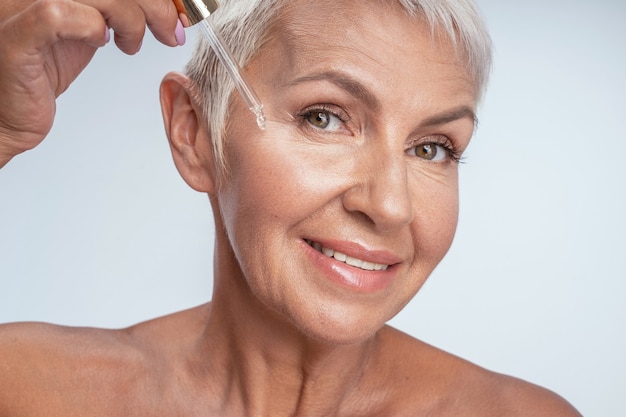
x=311, y=30
x=318, y=22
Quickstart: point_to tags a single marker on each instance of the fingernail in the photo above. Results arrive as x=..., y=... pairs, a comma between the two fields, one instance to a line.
x=179, y=33
x=107, y=34
x=139, y=47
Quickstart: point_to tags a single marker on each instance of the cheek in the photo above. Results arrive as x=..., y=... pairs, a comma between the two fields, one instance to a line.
x=286, y=180
x=436, y=217
x=274, y=184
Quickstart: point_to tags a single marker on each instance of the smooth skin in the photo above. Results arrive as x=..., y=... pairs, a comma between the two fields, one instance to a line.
x=359, y=157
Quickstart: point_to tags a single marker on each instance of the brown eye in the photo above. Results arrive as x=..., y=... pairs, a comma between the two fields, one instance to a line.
x=427, y=151
x=320, y=119
x=325, y=119
x=431, y=151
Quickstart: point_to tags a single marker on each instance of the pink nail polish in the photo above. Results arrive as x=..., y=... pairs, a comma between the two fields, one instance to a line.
x=107, y=35
x=179, y=33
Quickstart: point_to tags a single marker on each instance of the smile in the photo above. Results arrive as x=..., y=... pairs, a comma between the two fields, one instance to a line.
x=349, y=260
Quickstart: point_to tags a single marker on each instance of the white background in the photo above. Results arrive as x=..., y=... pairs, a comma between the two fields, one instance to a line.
x=98, y=229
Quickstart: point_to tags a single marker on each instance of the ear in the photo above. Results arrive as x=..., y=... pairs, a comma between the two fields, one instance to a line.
x=187, y=132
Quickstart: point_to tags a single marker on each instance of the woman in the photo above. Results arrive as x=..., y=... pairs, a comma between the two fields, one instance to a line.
x=327, y=223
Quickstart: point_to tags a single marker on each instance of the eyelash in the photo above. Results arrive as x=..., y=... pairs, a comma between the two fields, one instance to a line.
x=453, y=152
x=322, y=108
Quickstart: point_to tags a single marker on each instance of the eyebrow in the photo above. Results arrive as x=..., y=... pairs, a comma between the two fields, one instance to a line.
x=463, y=112
x=360, y=92
x=351, y=86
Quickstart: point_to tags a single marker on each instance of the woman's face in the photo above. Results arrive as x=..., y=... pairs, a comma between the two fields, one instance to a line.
x=339, y=211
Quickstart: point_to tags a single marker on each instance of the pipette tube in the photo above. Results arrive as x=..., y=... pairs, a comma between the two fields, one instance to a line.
x=199, y=11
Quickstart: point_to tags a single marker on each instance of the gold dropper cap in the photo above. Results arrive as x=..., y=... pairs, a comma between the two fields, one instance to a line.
x=194, y=11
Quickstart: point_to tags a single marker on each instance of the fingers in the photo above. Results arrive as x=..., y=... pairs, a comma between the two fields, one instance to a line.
x=128, y=20
x=45, y=22
x=162, y=19
x=46, y=44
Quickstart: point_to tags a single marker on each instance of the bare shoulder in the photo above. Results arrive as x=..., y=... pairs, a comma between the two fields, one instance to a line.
x=51, y=368
x=457, y=387
x=521, y=398
x=57, y=370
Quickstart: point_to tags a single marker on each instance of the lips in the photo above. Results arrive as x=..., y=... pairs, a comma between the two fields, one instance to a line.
x=349, y=260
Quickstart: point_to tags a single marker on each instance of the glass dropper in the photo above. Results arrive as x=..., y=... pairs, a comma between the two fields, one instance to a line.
x=199, y=11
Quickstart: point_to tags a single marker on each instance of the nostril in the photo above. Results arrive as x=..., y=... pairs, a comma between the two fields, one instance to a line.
x=384, y=206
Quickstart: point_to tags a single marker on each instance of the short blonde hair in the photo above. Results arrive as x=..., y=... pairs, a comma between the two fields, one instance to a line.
x=245, y=24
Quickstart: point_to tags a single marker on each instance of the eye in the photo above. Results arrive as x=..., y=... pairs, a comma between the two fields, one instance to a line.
x=323, y=119
x=429, y=152
x=435, y=151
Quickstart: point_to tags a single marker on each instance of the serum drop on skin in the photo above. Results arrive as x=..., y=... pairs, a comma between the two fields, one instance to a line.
x=199, y=11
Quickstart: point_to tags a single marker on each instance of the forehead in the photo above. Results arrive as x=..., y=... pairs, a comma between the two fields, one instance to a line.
x=377, y=41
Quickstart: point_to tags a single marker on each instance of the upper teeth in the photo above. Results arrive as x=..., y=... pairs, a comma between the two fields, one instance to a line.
x=368, y=266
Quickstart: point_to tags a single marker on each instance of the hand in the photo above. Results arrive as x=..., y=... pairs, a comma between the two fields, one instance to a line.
x=44, y=46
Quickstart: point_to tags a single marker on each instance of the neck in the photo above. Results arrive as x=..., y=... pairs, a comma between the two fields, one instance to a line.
x=262, y=365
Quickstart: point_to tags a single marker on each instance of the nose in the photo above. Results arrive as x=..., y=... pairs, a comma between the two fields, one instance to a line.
x=380, y=189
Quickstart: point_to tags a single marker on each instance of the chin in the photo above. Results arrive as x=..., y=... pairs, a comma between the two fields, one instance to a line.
x=338, y=326
x=341, y=338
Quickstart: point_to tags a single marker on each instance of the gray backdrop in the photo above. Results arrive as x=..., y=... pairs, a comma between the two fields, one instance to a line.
x=98, y=229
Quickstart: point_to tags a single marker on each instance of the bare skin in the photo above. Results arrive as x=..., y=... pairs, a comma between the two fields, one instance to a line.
x=357, y=158
x=155, y=368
